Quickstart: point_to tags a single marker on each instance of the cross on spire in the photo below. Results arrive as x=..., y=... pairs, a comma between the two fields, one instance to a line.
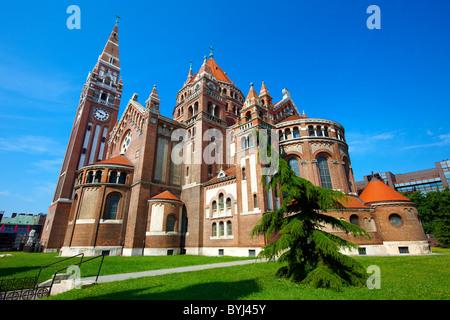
x=117, y=21
x=211, y=55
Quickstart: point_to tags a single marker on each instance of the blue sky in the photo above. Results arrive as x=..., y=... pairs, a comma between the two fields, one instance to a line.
x=389, y=88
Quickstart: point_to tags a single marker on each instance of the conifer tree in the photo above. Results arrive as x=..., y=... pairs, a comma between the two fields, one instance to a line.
x=296, y=237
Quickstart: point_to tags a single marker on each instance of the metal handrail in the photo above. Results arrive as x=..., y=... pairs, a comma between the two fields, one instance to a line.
x=79, y=263
x=37, y=277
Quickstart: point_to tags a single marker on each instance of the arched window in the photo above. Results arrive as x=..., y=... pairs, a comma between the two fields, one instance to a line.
x=293, y=164
x=122, y=178
x=221, y=201
x=170, y=223
x=90, y=177
x=80, y=178
x=229, y=228
x=255, y=201
x=244, y=143
x=195, y=110
x=112, y=206
x=221, y=229
x=214, y=206
x=311, y=131
x=354, y=219
x=319, y=131
x=228, y=203
x=250, y=141
x=288, y=133
x=296, y=133
x=98, y=177
x=347, y=174
x=214, y=229
x=244, y=177
x=324, y=173
x=113, y=177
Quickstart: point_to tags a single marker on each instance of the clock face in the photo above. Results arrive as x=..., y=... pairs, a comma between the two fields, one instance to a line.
x=101, y=114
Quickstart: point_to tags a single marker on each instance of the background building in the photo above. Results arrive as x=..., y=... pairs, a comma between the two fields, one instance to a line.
x=433, y=179
x=14, y=230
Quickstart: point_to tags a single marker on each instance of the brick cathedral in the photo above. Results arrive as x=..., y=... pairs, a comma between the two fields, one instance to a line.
x=123, y=191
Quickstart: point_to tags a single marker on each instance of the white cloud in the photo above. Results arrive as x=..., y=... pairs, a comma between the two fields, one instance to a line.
x=439, y=141
x=368, y=142
x=31, y=144
x=5, y=193
x=48, y=165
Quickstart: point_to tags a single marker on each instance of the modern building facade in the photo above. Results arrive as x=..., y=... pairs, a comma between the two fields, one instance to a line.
x=191, y=183
x=15, y=230
x=433, y=179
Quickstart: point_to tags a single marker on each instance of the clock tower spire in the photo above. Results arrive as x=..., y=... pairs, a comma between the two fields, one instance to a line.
x=95, y=117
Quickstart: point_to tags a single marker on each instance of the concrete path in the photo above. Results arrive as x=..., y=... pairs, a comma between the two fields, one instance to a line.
x=126, y=276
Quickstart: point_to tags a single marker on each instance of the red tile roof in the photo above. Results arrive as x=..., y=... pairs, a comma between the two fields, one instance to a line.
x=121, y=160
x=229, y=172
x=252, y=93
x=353, y=202
x=166, y=195
x=216, y=71
x=376, y=191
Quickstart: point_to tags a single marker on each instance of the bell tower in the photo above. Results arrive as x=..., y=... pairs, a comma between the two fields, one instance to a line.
x=95, y=117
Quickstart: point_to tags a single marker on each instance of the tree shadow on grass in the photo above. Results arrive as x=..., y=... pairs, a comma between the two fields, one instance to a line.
x=19, y=272
x=205, y=291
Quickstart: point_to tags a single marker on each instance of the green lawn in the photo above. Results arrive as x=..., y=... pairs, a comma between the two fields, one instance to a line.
x=402, y=277
x=28, y=264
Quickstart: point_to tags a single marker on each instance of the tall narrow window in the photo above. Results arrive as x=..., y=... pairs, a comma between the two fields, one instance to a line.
x=221, y=201
x=244, y=143
x=113, y=177
x=122, y=178
x=324, y=172
x=90, y=177
x=244, y=177
x=229, y=228
x=250, y=141
x=255, y=201
x=228, y=203
x=221, y=229
x=98, y=177
x=214, y=229
x=293, y=164
x=112, y=207
x=170, y=223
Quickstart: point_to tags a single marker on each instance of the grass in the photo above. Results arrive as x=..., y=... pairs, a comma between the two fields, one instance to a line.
x=28, y=264
x=402, y=278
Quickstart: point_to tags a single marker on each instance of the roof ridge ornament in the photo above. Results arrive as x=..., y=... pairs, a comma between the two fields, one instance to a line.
x=117, y=21
x=211, y=55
